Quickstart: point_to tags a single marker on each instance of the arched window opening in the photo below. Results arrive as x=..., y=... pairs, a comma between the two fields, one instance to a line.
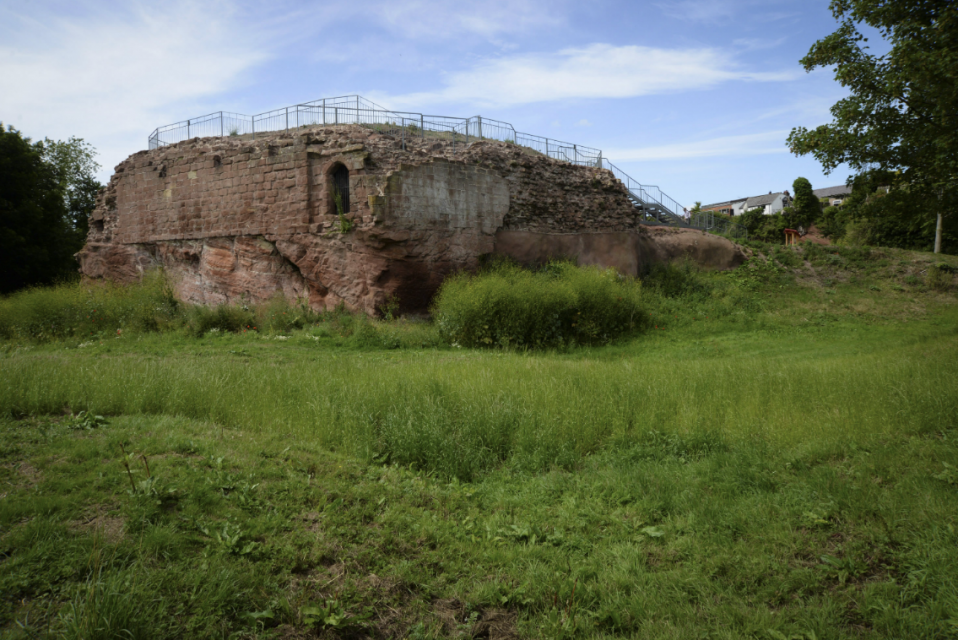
x=340, y=190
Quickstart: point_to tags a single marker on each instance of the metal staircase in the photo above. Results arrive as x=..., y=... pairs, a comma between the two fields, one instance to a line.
x=653, y=206
x=656, y=208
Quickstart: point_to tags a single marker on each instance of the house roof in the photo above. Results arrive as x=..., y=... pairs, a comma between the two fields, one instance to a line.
x=831, y=192
x=761, y=201
x=720, y=204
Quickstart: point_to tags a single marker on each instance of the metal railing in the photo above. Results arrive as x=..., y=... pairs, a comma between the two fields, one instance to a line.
x=354, y=109
x=707, y=221
x=357, y=110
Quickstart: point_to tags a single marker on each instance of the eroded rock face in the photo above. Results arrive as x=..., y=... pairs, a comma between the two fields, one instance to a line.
x=233, y=219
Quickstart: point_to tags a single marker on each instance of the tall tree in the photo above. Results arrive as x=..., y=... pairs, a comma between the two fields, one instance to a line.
x=76, y=170
x=805, y=207
x=37, y=242
x=902, y=111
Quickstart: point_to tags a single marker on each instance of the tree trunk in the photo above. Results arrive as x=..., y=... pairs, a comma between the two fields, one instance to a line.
x=938, y=235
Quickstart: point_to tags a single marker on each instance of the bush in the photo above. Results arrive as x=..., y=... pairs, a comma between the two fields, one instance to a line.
x=833, y=222
x=805, y=208
x=220, y=318
x=96, y=309
x=278, y=315
x=939, y=277
x=676, y=280
x=560, y=305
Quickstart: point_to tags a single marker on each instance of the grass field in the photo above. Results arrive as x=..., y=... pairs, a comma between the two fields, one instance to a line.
x=774, y=456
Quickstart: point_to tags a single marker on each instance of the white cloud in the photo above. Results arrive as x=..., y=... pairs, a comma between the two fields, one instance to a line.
x=725, y=11
x=754, y=144
x=699, y=10
x=595, y=71
x=583, y=123
x=757, y=44
x=440, y=19
x=111, y=76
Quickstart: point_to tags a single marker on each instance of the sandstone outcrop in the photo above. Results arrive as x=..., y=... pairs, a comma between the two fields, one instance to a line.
x=232, y=219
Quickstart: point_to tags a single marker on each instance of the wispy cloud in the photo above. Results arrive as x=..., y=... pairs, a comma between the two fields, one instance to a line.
x=106, y=75
x=725, y=11
x=596, y=71
x=439, y=19
x=699, y=10
x=754, y=144
x=758, y=44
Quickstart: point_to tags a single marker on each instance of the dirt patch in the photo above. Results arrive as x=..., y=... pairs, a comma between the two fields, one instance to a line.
x=28, y=475
x=495, y=624
x=111, y=528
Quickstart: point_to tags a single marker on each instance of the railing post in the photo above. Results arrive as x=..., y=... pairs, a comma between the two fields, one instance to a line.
x=324, y=112
x=252, y=120
x=422, y=126
x=221, y=124
x=479, y=118
x=287, y=119
x=187, y=129
x=335, y=115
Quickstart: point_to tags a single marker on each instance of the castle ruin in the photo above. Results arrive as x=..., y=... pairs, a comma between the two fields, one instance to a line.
x=346, y=214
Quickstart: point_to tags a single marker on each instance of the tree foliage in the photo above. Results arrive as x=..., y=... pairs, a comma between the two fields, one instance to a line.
x=902, y=111
x=901, y=114
x=805, y=207
x=885, y=210
x=47, y=191
x=76, y=170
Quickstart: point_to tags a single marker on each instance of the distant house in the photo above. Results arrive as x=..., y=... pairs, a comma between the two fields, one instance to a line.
x=835, y=195
x=771, y=203
x=729, y=207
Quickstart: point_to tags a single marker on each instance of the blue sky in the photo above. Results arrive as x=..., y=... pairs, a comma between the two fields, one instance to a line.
x=695, y=96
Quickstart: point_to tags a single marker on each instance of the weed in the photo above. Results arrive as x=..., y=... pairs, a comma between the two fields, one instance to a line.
x=86, y=421
x=939, y=278
x=390, y=308
x=345, y=224
x=201, y=320
x=333, y=614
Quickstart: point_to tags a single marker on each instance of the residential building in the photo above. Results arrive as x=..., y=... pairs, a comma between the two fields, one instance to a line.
x=771, y=203
x=729, y=207
x=835, y=195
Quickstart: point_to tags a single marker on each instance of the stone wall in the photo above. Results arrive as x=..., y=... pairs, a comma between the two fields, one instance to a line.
x=232, y=218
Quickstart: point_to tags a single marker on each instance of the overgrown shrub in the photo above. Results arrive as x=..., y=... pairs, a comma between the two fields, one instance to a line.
x=833, y=222
x=224, y=317
x=786, y=256
x=938, y=277
x=675, y=280
x=92, y=310
x=278, y=315
x=557, y=306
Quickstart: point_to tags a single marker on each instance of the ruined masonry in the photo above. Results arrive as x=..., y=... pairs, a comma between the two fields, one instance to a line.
x=233, y=219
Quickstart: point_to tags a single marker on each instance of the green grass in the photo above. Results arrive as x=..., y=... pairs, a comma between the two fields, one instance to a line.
x=774, y=457
x=560, y=305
